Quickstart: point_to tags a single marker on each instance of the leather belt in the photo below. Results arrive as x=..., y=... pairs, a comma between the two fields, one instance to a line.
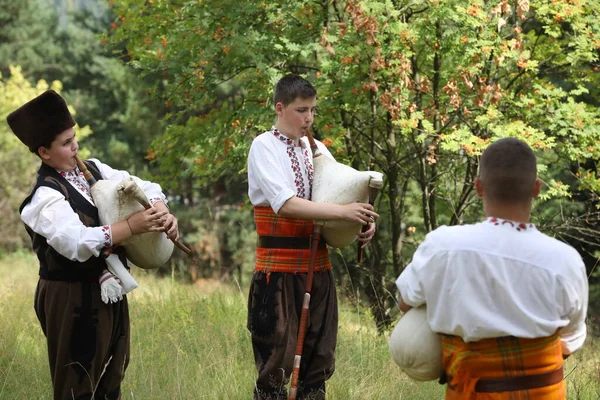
x=515, y=383
x=288, y=242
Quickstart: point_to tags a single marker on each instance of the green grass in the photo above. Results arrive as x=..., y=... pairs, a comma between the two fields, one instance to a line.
x=190, y=342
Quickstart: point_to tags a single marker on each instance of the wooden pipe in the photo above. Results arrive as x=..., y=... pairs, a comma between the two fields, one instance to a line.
x=316, y=236
x=373, y=191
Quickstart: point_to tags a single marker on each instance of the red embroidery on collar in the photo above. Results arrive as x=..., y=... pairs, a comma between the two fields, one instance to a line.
x=519, y=226
x=283, y=138
x=78, y=180
x=309, y=171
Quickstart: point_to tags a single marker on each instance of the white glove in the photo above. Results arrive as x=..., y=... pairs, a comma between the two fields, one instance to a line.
x=110, y=289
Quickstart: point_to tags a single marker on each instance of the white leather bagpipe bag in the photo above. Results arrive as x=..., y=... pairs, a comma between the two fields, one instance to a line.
x=337, y=183
x=115, y=203
x=415, y=347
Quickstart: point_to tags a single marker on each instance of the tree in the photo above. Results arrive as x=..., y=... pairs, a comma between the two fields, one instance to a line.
x=26, y=38
x=110, y=97
x=414, y=89
x=65, y=47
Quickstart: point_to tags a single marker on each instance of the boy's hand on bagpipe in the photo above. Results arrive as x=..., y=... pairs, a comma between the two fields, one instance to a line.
x=150, y=220
x=170, y=224
x=362, y=213
x=366, y=236
x=171, y=227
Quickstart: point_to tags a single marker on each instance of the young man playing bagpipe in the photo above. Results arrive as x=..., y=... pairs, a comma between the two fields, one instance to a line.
x=509, y=302
x=87, y=335
x=280, y=175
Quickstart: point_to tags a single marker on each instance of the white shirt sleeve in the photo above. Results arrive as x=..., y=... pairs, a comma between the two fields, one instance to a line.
x=49, y=214
x=574, y=303
x=152, y=190
x=410, y=282
x=267, y=174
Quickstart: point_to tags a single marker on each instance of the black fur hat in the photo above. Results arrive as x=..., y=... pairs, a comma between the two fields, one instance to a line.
x=37, y=122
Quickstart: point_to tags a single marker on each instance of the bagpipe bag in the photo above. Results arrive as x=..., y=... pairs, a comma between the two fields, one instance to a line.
x=337, y=183
x=115, y=203
x=415, y=347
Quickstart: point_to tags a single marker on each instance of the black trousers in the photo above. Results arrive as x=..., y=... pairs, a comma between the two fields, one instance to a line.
x=88, y=341
x=274, y=310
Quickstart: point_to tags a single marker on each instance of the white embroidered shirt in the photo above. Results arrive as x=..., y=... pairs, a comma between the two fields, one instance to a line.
x=498, y=278
x=280, y=168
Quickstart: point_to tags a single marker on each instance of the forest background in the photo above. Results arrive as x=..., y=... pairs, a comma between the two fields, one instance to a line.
x=175, y=91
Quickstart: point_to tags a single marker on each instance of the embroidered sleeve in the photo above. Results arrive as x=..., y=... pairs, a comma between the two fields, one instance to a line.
x=50, y=215
x=156, y=199
x=107, y=232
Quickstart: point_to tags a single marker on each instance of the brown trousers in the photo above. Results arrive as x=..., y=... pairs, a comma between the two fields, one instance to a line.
x=274, y=310
x=88, y=341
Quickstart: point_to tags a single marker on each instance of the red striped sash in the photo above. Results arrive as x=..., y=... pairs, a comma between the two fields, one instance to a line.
x=488, y=359
x=285, y=260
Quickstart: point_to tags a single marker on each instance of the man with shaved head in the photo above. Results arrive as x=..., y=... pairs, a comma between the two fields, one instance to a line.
x=508, y=301
x=508, y=170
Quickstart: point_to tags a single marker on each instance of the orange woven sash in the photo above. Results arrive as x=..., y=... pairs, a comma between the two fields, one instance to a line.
x=285, y=260
x=467, y=363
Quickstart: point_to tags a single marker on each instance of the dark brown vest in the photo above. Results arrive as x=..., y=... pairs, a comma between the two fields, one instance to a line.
x=54, y=266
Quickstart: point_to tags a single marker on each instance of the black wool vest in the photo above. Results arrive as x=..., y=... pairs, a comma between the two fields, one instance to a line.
x=54, y=266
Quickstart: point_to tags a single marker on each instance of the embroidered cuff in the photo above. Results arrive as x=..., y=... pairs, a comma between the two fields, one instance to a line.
x=157, y=199
x=107, y=232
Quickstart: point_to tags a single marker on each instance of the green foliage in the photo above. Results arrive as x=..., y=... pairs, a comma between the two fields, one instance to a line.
x=26, y=38
x=414, y=89
x=223, y=240
x=109, y=97
x=220, y=60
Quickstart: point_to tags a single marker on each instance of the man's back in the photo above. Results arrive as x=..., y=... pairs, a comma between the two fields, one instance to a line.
x=498, y=278
x=509, y=301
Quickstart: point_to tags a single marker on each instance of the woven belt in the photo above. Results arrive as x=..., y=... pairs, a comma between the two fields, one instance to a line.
x=288, y=242
x=524, y=382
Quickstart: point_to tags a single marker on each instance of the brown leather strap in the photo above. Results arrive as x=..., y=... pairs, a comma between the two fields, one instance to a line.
x=287, y=242
x=514, y=383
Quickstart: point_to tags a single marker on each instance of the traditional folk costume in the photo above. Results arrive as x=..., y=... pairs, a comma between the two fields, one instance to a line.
x=278, y=169
x=509, y=302
x=88, y=340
